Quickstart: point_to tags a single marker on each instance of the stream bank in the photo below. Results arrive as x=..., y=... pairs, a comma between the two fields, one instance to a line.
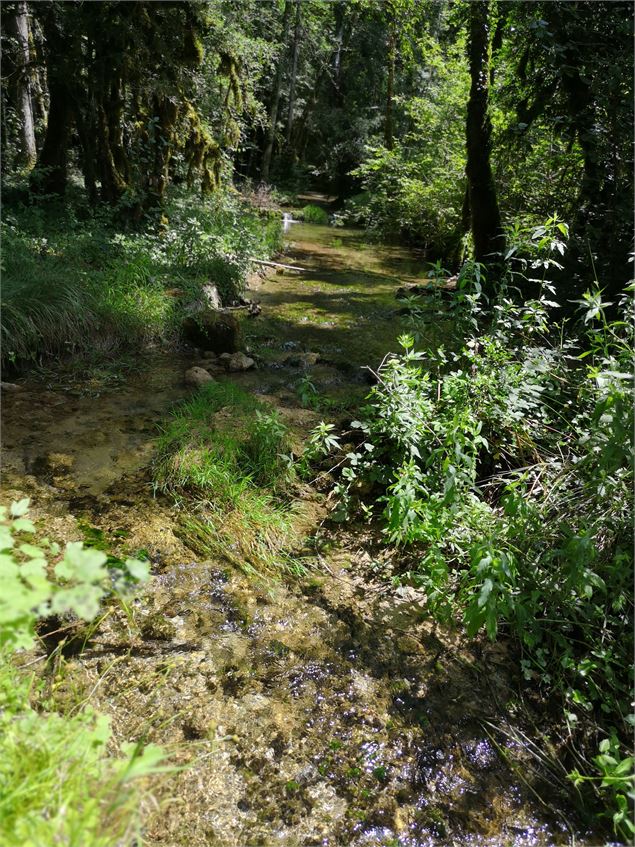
x=323, y=710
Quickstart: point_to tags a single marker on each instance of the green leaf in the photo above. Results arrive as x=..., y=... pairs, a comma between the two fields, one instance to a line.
x=23, y=525
x=138, y=569
x=20, y=507
x=486, y=590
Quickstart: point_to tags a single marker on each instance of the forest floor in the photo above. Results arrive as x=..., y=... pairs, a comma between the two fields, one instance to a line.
x=315, y=709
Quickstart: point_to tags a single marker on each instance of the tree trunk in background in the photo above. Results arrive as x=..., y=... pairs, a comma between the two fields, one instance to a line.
x=275, y=97
x=390, y=86
x=489, y=240
x=50, y=175
x=18, y=26
x=294, y=70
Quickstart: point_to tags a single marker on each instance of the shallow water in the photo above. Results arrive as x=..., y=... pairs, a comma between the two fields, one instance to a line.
x=322, y=711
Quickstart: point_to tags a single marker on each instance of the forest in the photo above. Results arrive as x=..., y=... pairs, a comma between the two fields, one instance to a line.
x=316, y=522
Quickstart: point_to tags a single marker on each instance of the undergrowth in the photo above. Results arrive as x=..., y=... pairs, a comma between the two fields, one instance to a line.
x=504, y=471
x=312, y=214
x=72, y=281
x=59, y=782
x=228, y=455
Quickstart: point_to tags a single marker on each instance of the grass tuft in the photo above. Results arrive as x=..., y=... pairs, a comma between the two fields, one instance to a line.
x=229, y=453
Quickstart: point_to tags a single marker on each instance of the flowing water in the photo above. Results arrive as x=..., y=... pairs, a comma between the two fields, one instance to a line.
x=322, y=710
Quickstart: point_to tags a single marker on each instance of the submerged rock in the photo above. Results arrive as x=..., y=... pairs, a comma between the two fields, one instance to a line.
x=198, y=377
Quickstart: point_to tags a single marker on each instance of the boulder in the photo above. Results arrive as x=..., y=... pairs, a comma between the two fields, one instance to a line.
x=239, y=362
x=209, y=298
x=198, y=377
x=10, y=386
x=214, y=330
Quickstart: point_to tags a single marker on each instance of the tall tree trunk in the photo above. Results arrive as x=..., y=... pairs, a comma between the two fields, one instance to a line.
x=275, y=96
x=489, y=240
x=294, y=70
x=52, y=170
x=18, y=27
x=50, y=175
x=390, y=82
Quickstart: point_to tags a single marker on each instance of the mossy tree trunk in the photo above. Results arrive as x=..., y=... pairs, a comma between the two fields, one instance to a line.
x=485, y=220
x=18, y=26
x=275, y=96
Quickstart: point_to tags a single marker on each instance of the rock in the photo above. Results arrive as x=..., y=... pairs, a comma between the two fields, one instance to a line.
x=209, y=298
x=213, y=329
x=239, y=362
x=198, y=377
x=158, y=628
x=302, y=360
x=10, y=386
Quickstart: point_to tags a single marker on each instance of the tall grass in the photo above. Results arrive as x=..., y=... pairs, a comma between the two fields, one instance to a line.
x=227, y=453
x=71, y=285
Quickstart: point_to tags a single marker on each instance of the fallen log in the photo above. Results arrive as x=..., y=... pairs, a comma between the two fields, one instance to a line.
x=276, y=265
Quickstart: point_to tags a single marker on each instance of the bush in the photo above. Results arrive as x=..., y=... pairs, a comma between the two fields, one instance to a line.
x=506, y=470
x=85, y=285
x=314, y=215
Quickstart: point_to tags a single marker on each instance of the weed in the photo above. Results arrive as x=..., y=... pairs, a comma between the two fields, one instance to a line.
x=57, y=782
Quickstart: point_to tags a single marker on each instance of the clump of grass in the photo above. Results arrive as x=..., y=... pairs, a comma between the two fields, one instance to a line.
x=314, y=215
x=72, y=285
x=56, y=784
x=228, y=452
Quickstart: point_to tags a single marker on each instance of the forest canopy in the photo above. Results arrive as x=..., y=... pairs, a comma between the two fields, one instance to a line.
x=421, y=117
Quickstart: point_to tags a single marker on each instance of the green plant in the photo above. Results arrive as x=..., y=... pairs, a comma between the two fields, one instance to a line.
x=506, y=468
x=58, y=784
x=81, y=579
x=314, y=215
x=615, y=774
x=230, y=454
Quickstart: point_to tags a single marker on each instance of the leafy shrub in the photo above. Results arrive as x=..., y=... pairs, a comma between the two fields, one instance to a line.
x=314, y=215
x=58, y=785
x=506, y=468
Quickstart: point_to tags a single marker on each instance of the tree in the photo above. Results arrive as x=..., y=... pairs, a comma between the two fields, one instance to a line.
x=275, y=94
x=485, y=220
x=20, y=61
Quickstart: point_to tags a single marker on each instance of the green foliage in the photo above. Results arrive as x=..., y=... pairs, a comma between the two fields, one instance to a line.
x=507, y=466
x=230, y=453
x=314, y=215
x=415, y=190
x=72, y=284
x=79, y=583
x=615, y=774
x=57, y=782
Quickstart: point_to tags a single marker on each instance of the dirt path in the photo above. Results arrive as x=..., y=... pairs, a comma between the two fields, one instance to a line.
x=318, y=711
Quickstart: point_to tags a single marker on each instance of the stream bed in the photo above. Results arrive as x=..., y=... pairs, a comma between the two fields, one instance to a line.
x=316, y=710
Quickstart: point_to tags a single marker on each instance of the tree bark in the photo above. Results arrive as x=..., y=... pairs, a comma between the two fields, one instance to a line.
x=294, y=70
x=50, y=175
x=18, y=26
x=390, y=83
x=487, y=232
x=275, y=97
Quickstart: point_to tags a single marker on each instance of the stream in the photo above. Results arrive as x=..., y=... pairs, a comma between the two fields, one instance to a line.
x=319, y=710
